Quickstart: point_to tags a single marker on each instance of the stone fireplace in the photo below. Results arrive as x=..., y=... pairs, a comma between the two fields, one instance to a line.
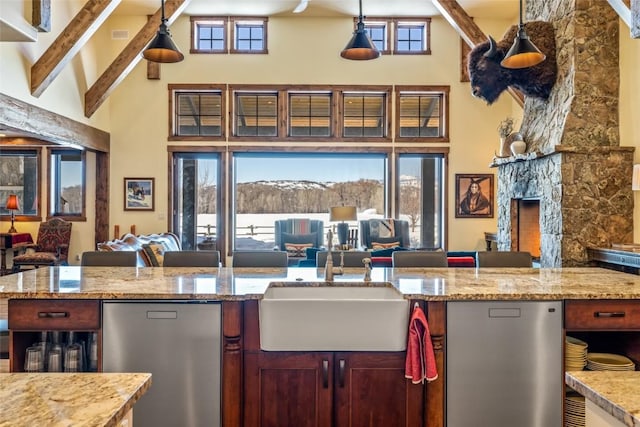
x=574, y=164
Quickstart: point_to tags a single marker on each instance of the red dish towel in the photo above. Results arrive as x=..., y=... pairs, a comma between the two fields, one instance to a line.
x=420, y=365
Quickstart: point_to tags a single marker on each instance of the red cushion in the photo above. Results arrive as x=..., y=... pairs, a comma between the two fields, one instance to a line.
x=461, y=261
x=381, y=261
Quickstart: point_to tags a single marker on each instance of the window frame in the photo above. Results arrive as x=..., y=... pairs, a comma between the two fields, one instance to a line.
x=384, y=91
x=174, y=89
x=401, y=152
x=256, y=90
x=176, y=152
x=82, y=216
x=311, y=93
x=376, y=22
x=386, y=151
x=426, y=43
x=442, y=92
x=196, y=21
x=234, y=21
x=38, y=191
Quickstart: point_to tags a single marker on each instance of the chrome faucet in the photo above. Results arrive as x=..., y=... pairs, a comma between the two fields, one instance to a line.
x=367, y=269
x=329, y=269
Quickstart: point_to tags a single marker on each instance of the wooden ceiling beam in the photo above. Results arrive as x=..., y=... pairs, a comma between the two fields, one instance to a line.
x=460, y=20
x=46, y=125
x=69, y=42
x=129, y=57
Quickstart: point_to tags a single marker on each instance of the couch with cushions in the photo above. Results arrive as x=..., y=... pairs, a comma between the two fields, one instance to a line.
x=150, y=247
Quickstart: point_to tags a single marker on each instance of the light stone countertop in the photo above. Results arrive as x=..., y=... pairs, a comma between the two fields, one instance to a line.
x=616, y=392
x=68, y=399
x=432, y=284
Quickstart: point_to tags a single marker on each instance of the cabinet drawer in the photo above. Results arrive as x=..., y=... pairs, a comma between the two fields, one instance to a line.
x=29, y=315
x=602, y=314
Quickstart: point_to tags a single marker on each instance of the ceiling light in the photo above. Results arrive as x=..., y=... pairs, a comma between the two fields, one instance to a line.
x=523, y=52
x=162, y=48
x=360, y=47
x=301, y=6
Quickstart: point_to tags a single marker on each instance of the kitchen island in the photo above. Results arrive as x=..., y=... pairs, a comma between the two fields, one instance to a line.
x=241, y=284
x=593, y=299
x=612, y=397
x=41, y=399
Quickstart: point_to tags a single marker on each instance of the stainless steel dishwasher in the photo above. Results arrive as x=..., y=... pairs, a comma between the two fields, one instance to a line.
x=180, y=344
x=504, y=365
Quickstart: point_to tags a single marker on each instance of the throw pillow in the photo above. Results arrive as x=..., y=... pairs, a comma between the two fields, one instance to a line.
x=311, y=253
x=381, y=245
x=298, y=238
x=153, y=254
x=297, y=249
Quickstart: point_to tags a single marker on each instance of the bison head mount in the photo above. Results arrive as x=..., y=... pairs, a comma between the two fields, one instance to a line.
x=489, y=79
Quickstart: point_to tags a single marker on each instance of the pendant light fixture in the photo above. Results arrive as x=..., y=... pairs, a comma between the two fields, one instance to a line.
x=360, y=47
x=162, y=48
x=523, y=52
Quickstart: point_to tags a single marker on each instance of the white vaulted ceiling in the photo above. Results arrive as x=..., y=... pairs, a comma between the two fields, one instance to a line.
x=503, y=9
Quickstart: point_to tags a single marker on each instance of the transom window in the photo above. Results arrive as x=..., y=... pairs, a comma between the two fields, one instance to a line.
x=412, y=36
x=256, y=114
x=364, y=114
x=422, y=114
x=209, y=35
x=249, y=35
x=310, y=114
x=198, y=111
x=378, y=32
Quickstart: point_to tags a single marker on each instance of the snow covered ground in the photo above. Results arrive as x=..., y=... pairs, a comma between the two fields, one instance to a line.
x=255, y=231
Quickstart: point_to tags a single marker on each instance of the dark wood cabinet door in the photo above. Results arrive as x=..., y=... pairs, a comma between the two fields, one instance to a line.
x=284, y=389
x=371, y=390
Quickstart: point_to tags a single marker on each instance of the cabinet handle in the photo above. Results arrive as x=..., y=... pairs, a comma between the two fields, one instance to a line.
x=608, y=314
x=325, y=374
x=52, y=314
x=341, y=364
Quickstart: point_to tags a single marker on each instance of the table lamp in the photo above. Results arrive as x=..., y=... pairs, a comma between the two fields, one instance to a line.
x=343, y=213
x=12, y=205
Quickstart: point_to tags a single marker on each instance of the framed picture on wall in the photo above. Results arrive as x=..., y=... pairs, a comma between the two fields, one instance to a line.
x=474, y=196
x=139, y=194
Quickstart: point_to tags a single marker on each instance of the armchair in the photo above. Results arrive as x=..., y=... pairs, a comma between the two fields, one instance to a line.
x=386, y=232
x=298, y=233
x=51, y=248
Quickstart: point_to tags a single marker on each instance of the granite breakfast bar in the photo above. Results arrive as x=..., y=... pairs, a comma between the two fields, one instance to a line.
x=77, y=399
x=240, y=290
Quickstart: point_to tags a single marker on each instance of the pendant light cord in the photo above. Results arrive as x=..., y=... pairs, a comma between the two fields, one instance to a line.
x=521, y=25
x=163, y=19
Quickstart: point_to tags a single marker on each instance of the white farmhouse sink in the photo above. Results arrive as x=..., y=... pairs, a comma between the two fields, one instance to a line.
x=333, y=318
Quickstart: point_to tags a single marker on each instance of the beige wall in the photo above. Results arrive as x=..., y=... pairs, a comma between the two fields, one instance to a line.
x=306, y=51
x=301, y=50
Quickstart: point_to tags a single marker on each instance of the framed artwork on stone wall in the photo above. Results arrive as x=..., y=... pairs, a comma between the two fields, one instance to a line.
x=474, y=196
x=139, y=194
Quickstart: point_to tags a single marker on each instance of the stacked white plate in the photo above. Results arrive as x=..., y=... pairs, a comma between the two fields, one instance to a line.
x=575, y=354
x=609, y=362
x=573, y=410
